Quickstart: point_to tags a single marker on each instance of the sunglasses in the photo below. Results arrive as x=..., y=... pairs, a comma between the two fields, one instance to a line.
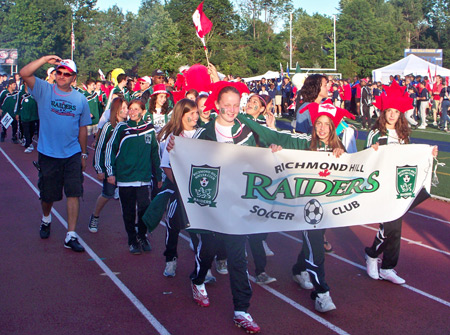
x=65, y=74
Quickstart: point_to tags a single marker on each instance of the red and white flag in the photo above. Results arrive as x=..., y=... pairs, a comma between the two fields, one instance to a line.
x=73, y=38
x=430, y=78
x=202, y=24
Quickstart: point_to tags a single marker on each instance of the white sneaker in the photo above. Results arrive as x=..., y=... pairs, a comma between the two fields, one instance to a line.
x=324, y=303
x=209, y=278
x=391, y=275
x=422, y=127
x=29, y=149
x=267, y=249
x=264, y=278
x=222, y=267
x=171, y=267
x=434, y=123
x=372, y=267
x=303, y=280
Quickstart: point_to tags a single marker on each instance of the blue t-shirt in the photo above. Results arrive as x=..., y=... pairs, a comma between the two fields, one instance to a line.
x=303, y=122
x=61, y=115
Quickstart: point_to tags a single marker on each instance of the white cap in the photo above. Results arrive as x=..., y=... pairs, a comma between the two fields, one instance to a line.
x=50, y=70
x=68, y=64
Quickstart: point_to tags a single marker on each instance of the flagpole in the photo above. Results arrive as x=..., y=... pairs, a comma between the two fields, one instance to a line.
x=71, y=43
x=206, y=54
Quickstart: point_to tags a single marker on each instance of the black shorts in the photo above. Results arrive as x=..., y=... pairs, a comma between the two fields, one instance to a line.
x=58, y=173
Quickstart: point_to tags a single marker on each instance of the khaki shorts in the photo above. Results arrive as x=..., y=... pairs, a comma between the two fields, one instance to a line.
x=278, y=100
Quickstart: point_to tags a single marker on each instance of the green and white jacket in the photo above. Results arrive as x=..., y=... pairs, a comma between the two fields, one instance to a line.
x=132, y=154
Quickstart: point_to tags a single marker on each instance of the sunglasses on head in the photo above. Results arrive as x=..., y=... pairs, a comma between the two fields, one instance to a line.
x=65, y=74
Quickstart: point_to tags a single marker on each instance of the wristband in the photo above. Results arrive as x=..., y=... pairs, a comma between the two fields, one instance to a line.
x=83, y=155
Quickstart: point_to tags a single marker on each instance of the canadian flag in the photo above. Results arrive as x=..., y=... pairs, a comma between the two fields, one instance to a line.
x=430, y=78
x=72, y=36
x=202, y=24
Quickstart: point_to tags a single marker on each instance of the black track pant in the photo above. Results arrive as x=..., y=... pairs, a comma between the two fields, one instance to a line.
x=237, y=269
x=129, y=198
x=312, y=259
x=258, y=253
x=387, y=241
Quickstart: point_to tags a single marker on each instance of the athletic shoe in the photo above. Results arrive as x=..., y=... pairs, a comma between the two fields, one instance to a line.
x=23, y=141
x=267, y=249
x=372, y=267
x=74, y=245
x=264, y=278
x=209, y=279
x=434, y=123
x=200, y=295
x=422, y=127
x=145, y=244
x=29, y=149
x=135, y=248
x=93, y=224
x=44, y=231
x=171, y=267
x=391, y=275
x=246, y=322
x=222, y=267
x=324, y=303
x=303, y=280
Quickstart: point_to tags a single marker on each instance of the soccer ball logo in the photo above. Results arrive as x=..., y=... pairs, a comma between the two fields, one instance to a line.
x=204, y=182
x=406, y=178
x=313, y=212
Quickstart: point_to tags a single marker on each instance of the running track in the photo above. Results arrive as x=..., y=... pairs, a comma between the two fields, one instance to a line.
x=47, y=289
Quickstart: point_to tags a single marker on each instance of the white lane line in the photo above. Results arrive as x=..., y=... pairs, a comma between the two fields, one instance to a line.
x=141, y=308
x=429, y=217
x=415, y=242
x=294, y=304
x=425, y=294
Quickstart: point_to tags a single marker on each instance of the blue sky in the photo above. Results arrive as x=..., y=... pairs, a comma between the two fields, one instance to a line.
x=327, y=7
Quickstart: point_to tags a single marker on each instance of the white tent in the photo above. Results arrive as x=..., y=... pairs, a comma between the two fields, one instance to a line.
x=267, y=75
x=408, y=65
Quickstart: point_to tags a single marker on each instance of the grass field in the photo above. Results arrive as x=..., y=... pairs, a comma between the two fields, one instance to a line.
x=432, y=134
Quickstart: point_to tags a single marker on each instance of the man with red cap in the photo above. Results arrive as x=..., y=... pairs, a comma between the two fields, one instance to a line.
x=64, y=116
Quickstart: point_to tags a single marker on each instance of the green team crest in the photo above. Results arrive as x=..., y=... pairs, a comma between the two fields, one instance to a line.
x=406, y=181
x=204, y=185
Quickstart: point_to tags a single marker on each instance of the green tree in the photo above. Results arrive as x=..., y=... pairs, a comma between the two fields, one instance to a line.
x=367, y=37
x=312, y=40
x=35, y=28
x=160, y=39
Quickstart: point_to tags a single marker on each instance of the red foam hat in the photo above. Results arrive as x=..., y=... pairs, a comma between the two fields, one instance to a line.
x=327, y=108
x=217, y=87
x=197, y=77
x=160, y=88
x=394, y=97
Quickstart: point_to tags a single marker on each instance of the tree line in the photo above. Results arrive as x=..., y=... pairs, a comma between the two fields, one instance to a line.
x=247, y=39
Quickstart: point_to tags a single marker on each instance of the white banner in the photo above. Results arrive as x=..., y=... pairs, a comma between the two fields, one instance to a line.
x=242, y=190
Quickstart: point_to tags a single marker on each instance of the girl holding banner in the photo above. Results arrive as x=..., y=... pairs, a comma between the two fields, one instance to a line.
x=390, y=128
x=183, y=123
x=309, y=271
